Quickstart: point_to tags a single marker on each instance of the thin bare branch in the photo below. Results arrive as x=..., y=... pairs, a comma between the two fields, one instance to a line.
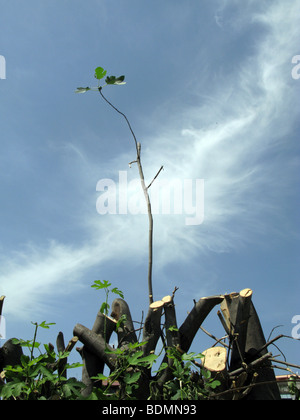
x=161, y=168
x=145, y=191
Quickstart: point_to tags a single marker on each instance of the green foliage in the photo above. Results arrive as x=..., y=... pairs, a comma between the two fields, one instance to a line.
x=131, y=364
x=105, y=285
x=99, y=74
x=294, y=387
x=37, y=378
x=191, y=381
x=83, y=89
x=113, y=80
x=173, y=328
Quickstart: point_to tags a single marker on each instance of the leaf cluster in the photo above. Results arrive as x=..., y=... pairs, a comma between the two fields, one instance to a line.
x=294, y=387
x=131, y=364
x=100, y=73
x=38, y=378
x=190, y=380
x=105, y=285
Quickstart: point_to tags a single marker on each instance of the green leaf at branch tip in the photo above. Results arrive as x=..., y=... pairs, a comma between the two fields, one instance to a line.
x=82, y=89
x=46, y=325
x=100, y=73
x=113, y=80
x=99, y=284
x=118, y=292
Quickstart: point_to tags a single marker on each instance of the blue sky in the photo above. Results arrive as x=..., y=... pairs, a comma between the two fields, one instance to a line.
x=210, y=96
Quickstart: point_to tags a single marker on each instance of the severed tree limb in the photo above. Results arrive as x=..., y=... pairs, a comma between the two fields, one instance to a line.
x=126, y=332
x=240, y=328
x=188, y=330
x=151, y=330
x=195, y=318
x=92, y=364
x=96, y=344
x=10, y=354
x=237, y=308
x=71, y=344
x=1, y=307
x=172, y=335
x=215, y=362
x=172, y=332
x=215, y=359
x=1, y=303
x=60, y=344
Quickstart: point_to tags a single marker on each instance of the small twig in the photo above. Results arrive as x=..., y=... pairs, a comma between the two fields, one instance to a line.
x=285, y=363
x=272, y=342
x=161, y=168
x=242, y=388
x=130, y=163
x=218, y=340
x=223, y=323
x=141, y=326
x=250, y=365
x=71, y=344
x=34, y=339
x=174, y=291
x=277, y=326
x=235, y=341
x=286, y=369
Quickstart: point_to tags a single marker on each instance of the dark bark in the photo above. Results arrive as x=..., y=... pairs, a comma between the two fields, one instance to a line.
x=126, y=332
x=248, y=366
x=195, y=318
x=172, y=333
x=60, y=344
x=1, y=303
x=92, y=364
x=96, y=344
x=151, y=330
x=243, y=320
x=239, y=328
x=187, y=332
x=10, y=354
